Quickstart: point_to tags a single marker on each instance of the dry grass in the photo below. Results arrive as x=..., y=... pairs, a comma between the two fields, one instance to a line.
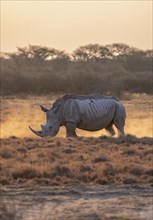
x=60, y=161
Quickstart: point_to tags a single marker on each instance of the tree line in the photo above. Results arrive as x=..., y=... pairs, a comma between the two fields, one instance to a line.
x=112, y=69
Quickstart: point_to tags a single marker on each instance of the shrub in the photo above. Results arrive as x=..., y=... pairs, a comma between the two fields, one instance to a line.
x=109, y=171
x=6, y=153
x=136, y=171
x=129, y=152
x=149, y=172
x=100, y=159
x=84, y=168
x=25, y=173
x=62, y=171
x=129, y=181
x=101, y=181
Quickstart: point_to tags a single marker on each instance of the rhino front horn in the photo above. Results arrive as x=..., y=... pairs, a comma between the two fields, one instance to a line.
x=39, y=133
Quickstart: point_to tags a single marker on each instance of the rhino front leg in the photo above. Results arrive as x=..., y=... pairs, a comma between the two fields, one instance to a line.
x=70, y=129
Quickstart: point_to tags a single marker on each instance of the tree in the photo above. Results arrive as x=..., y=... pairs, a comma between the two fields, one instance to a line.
x=120, y=50
x=39, y=52
x=92, y=52
x=149, y=53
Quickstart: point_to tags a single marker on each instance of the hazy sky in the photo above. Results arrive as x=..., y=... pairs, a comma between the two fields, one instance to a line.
x=66, y=25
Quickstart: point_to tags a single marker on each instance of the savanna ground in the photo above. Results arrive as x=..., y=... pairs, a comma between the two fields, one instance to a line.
x=75, y=178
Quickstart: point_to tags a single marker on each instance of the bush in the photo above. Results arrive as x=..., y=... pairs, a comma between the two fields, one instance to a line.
x=25, y=173
x=129, y=71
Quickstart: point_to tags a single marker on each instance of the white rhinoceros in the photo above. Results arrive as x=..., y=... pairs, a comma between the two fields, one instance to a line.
x=90, y=113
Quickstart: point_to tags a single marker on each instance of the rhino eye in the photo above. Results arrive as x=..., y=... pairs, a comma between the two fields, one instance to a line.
x=50, y=127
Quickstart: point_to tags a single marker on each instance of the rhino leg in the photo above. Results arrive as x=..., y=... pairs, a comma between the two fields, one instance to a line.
x=110, y=130
x=119, y=123
x=70, y=129
x=121, y=132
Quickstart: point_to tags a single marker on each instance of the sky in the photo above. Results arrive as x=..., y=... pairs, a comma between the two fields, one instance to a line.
x=67, y=25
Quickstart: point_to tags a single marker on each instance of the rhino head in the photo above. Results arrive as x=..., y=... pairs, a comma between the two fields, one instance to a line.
x=52, y=124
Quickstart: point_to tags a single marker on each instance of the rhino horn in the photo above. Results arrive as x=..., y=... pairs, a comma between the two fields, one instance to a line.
x=44, y=109
x=39, y=133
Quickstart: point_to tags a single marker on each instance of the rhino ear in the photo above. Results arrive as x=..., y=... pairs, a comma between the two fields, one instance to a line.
x=44, y=109
x=56, y=109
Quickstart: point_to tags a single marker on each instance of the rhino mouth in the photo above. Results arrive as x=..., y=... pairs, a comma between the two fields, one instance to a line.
x=39, y=133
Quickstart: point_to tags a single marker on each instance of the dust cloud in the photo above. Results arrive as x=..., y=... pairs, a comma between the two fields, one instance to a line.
x=17, y=114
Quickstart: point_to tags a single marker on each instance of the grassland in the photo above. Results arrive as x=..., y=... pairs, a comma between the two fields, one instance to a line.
x=28, y=160
x=63, y=161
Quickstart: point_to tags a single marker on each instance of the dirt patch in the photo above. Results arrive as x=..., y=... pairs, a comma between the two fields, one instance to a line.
x=76, y=203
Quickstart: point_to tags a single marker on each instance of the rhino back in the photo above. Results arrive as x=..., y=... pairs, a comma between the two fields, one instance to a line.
x=96, y=109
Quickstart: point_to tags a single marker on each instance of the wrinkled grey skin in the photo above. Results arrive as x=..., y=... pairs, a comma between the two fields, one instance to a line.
x=90, y=113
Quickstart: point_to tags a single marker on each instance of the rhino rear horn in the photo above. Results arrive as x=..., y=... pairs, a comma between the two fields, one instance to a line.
x=42, y=126
x=44, y=109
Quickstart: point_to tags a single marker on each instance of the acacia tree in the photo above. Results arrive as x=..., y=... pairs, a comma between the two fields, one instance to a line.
x=97, y=52
x=39, y=52
x=120, y=50
x=93, y=52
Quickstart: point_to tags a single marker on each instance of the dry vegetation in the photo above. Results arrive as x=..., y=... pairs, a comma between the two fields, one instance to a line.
x=63, y=161
x=112, y=69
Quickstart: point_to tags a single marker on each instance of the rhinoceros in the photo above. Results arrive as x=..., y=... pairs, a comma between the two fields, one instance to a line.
x=90, y=113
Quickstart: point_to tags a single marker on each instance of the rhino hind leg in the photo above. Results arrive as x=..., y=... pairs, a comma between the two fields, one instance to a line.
x=110, y=130
x=119, y=123
x=70, y=129
x=121, y=131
